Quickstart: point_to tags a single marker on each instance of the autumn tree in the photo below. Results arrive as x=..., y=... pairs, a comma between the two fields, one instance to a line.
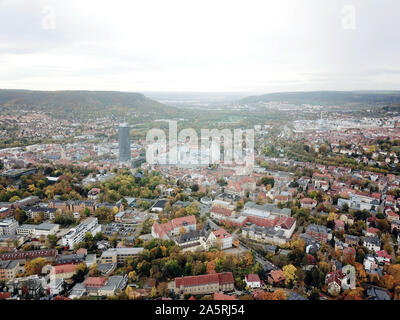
x=94, y=271
x=35, y=266
x=289, y=272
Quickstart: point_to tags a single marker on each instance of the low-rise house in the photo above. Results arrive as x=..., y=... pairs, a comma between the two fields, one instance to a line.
x=351, y=240
x=372, y=243
x=318, y=232
x=336, y=281
x=371, y=232
x=391, y=216
x=383, y=257
x=275, y=277
x=252, y=280
x=308, y=203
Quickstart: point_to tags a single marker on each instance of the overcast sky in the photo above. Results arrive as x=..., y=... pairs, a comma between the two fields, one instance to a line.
x=202, y=45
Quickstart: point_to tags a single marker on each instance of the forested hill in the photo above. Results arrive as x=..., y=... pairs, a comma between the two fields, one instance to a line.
x=329, y=97
x=85, y=103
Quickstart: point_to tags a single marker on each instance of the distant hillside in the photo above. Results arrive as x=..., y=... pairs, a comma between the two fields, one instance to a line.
x=329, y=97
x=65, y=103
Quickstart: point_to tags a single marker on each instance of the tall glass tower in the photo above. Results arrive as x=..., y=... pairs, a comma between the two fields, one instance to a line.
x=124, y=142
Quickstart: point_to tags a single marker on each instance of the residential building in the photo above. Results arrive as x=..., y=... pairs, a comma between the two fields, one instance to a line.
x=43, y=229
x=8, y=226
x=219, y=236
x=372, y=243
x=8, y=269
x=21, y=256
x=203, y=284
x=77, y=234
x=173, y=227
x=118, y=256
x=252, y=280
x=318, y=232
x=65, y=271
x=100, y=286
x=308, y=203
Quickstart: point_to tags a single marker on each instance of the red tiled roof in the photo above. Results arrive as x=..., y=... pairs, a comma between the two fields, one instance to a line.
x=81, y=251
x=252, y=277
x=335, y=277
x=95, y=282
x=372, y=230
x=224, y=211
x=286, y=222
x=391, y=213
x=376, y=195
x=28, y=254
x=163, y=229
x=308, y=201
x=64, y=268
x=221, y=234
x=277, y=275
x=383, y=254
x=191, y=281
x=221, y=296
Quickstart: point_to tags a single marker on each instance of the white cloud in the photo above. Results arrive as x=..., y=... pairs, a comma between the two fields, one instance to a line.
x=199, y=45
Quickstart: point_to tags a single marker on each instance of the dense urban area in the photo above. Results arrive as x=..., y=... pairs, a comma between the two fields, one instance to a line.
x=84, y=216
